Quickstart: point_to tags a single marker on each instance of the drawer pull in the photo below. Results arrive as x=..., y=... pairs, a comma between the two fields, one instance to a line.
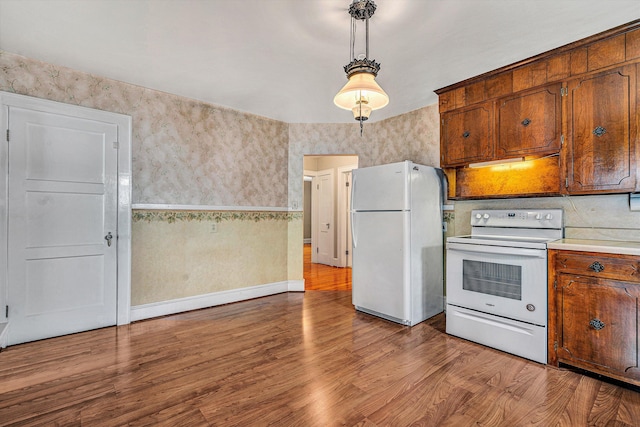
x=597, y=267
x=526, y=122
x=596, y=324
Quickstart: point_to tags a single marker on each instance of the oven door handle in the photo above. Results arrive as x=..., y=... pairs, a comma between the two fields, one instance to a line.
x=500, y=250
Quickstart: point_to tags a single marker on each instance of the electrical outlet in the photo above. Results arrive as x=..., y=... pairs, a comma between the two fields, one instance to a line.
x=214, y=227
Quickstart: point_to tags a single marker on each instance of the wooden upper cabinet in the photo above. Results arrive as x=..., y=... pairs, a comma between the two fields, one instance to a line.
x=467, y=135
x=530, y=123
x=601, y=132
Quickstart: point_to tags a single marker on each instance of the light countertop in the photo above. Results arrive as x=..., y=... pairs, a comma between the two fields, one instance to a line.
x=604, y=246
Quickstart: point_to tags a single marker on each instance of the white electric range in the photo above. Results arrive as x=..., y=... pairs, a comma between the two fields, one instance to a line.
x=497, y=280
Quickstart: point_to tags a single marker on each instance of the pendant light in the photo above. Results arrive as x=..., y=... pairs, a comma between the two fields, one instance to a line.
x=362, y=94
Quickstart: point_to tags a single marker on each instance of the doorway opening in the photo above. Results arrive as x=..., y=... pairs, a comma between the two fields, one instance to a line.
x=327, y=224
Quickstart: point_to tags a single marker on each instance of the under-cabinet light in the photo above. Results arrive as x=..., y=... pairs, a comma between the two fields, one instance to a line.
x=496, y=162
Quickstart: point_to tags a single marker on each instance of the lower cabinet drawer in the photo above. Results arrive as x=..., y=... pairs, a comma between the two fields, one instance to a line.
x=596, y=265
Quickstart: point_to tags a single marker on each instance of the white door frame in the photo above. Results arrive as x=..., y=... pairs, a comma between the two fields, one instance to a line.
x=124, y=194
x=314, y=212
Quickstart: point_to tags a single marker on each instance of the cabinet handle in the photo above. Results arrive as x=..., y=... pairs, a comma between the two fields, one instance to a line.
x=526, y=122
x=596, y=324
x=597, y=267
x=599, y=131
x=466, y=134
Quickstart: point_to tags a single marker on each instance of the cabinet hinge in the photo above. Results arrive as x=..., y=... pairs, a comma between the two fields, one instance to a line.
x=566, y=183
x=564, y=91
x=555, y=284
x=561, y=140
x=555, y=346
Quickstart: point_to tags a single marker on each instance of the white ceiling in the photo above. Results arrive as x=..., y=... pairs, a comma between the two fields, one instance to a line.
x=283, y=59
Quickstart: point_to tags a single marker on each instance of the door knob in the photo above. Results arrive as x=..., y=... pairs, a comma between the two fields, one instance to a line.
x=108, y=238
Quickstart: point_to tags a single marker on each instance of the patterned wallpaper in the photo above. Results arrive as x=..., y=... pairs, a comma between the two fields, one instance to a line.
x=412, y=136
x=184, y=151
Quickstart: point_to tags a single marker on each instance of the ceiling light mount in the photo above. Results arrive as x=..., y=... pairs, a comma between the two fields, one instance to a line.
x=362, y=94
x=362, y=9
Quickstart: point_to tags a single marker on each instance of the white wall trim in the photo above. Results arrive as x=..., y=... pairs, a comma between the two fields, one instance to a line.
x=296, y=285
x=4, y=335
x=166, y=207
x=163, y=308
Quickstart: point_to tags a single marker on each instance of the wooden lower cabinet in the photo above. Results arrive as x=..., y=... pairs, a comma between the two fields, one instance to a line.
x=594, y=307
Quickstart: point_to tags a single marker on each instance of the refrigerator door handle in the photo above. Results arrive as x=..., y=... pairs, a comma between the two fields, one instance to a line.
x=354, y=236
x=353, y=190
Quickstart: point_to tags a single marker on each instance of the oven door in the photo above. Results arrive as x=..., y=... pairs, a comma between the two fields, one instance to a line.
x=504, y=281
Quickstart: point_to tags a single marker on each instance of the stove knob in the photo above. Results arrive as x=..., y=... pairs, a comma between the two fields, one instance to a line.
x=478, y=216
x=549, y=217
x=486, y=216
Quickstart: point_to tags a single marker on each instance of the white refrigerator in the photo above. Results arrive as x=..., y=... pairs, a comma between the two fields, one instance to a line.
x=396, y=215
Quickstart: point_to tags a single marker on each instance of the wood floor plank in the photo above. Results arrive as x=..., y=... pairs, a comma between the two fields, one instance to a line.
x=295, y=359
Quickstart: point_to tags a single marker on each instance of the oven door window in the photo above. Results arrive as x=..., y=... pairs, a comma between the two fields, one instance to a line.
x=501, y=280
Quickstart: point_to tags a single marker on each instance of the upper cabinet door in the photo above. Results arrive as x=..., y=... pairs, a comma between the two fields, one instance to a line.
x=467, y=135
x=602, y=132
x=530, y=123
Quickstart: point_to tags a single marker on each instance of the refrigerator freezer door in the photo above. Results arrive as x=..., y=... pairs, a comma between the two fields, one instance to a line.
x=380, y=278
x=383, y=187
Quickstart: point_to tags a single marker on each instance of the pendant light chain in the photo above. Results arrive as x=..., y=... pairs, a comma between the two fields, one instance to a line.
x=362, y=94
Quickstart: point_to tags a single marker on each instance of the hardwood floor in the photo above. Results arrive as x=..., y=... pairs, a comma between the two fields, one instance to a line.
x=320, y=277
x=293, y=359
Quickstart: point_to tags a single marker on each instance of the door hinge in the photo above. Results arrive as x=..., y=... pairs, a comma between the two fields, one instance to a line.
x=564, y=91
x=7, y=135
x=317, y=186
x=116, y=145
x=6, y=311
x=346, y=183
x=317, y=250
x=346, y=252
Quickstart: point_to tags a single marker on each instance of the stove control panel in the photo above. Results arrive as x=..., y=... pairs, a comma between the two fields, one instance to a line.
x=517, y=218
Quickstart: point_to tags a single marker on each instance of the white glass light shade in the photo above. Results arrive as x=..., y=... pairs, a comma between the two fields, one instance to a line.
x=361, y=85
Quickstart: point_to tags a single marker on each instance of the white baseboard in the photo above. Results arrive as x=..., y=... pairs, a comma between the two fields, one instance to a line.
x=163, y=308
x=296, y=285
x=307, y=241
x=4, y=327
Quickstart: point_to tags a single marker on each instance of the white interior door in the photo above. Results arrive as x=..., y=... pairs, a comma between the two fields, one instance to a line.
x=325, y=223
x=62, y=194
